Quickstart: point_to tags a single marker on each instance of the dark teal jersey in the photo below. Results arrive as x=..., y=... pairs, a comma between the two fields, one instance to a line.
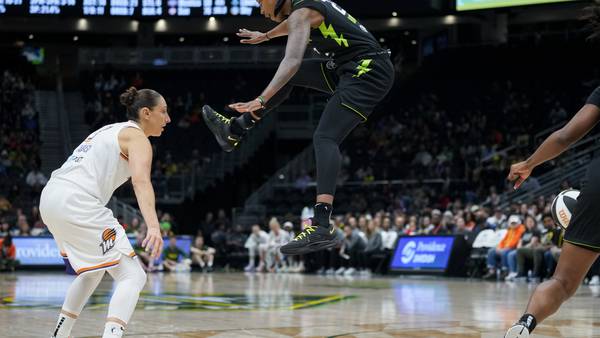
x=340, y=35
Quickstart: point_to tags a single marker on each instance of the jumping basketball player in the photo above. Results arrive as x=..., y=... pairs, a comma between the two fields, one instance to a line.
x=73, y=205
x=582, y=238
x=354, y=70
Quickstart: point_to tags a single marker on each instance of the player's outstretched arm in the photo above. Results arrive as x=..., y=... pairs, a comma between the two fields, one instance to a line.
x=587, y=117
x=299, y=24
x=140, y=164
x=255, y=37
x=299, y=32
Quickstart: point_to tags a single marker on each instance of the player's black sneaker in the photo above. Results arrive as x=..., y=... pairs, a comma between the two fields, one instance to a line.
x=312, y=238
x=219, y=126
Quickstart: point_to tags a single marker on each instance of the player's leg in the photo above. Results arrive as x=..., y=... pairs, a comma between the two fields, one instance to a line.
x=313, y=74
x=580, y=249
x=77, y=296
x=130, y=279
x=336, y=123
x=572, y=267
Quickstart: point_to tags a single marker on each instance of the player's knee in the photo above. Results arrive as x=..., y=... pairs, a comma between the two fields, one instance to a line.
x=139, y=279
x=323, y=141
x=568, y=286
x=318, y=138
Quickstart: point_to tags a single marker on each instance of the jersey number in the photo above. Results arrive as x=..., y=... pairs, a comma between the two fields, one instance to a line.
x=344, y=13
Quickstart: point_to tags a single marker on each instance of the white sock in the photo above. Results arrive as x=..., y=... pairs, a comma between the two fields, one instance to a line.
x=64, y=325
x=113, y=330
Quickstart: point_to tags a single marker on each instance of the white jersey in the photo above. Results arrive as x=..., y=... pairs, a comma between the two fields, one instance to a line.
x=97, y=165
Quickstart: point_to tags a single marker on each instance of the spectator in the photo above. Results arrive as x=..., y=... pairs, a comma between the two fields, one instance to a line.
x=174, y=259
x=4, y=228
x=506, y=245
x=202, y=254
x=353, y=250
x=24, y=228
x=36, y=179
x=374, y=243
x=134, y=227
x=534, y=253
x=219, y=240
x=235, y=240
x=8, y=254
x=256, y=244
x=497, y=220
x=303, y=181
x=165, y=224
x=526, y=250
x=277, y=238
x=388, y=235
x=412, y=228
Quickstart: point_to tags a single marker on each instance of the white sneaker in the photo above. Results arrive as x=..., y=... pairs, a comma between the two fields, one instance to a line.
x=340, y=271
x=330, y=271
x=511, y=276
x=517, y=331
x=350, y=272
x=595, y=280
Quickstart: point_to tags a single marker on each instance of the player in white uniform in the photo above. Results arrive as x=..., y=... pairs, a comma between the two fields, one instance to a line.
x=73, y=205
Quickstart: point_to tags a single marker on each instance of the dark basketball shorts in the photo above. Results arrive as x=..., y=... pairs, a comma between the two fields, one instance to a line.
x=584, y=227
x=363, y=82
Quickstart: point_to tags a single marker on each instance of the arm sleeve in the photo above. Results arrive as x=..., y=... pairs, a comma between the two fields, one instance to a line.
x=594, y=98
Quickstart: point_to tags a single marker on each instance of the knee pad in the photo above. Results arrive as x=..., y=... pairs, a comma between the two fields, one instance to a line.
x=140, y=278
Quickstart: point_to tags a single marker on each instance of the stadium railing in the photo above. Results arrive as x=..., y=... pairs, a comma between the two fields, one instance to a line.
x=571, y=167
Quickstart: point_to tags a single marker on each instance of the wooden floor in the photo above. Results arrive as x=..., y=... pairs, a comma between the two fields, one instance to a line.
x=265, y=305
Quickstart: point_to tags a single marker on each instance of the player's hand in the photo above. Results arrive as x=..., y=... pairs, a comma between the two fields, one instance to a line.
x=244, y=107
x=519, y=172
x=251, y=37
x=154, y=242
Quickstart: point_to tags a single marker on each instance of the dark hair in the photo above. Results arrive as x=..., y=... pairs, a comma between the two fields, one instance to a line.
x=592, y=16
x=134, y=100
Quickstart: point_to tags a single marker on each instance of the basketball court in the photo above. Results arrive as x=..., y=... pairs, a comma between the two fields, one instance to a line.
x=267, y=305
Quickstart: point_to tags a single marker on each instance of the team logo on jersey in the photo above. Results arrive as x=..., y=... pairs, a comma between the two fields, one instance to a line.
x=109, y=237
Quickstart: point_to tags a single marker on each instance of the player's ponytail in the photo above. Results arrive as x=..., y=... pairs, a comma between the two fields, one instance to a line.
x=134, y=100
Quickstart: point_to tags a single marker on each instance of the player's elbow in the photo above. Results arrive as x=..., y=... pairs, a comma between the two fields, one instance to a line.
x=293, y=63
x=139, y=182
x=564, y=137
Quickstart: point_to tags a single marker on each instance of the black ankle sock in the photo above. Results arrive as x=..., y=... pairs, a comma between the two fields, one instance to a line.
x=529, y=321
x=236, y=129
x=241, y=124
x=323, y=214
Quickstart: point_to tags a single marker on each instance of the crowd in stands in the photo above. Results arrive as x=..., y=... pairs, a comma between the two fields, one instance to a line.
x=522, y=241
x=20, y=178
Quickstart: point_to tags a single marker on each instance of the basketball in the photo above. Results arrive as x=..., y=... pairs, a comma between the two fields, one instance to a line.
x=563, y=206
